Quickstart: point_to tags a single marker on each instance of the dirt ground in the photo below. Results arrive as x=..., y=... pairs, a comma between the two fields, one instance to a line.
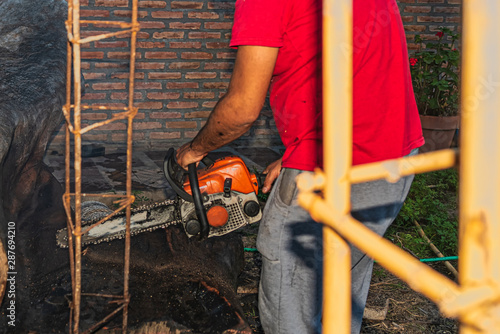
x=407, y=311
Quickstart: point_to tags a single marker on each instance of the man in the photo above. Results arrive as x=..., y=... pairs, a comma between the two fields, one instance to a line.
x=279, y=45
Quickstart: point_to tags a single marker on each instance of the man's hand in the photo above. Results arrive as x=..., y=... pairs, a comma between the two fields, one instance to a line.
x=272, y=171
x=186, y=156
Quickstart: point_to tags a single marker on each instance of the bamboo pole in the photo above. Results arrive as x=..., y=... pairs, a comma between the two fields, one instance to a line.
x=337, y=121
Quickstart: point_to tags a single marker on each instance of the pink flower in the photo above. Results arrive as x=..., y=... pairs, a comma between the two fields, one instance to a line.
x=440, y=34
x=413, y=61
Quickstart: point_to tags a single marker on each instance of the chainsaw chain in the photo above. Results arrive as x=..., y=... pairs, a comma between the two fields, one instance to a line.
x=149, y=207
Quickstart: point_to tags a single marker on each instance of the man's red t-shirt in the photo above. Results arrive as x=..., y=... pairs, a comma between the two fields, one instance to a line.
x=386, y=124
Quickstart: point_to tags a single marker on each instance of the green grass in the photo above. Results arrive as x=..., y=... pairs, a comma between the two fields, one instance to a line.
x=432, y=202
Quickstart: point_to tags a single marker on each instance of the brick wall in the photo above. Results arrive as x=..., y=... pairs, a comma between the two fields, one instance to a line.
x=424, y=17
x=184, y=65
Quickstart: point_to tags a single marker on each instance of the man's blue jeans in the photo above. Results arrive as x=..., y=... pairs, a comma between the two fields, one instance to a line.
x=290, y=292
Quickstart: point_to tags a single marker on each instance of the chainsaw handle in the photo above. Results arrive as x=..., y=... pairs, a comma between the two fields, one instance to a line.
x=198, y=201
x=175, y=175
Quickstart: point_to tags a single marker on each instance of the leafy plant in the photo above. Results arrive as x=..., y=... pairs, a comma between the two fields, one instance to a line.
x=434, y=71
x=432, y=202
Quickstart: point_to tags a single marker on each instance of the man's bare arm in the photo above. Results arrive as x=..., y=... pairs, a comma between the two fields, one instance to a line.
x=236, y=111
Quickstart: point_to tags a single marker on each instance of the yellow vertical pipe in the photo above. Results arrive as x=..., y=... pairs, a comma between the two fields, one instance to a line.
x=480, y=149
x=337, y=145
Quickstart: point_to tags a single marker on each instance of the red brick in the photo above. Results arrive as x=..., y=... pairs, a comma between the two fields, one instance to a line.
x=184, y=65
x=217, y=45
x=124, y=96
x=182, y=105
x=186, y=5
x=147, y=85
x=216, y=85
x=85, y=66
x=163, y=96
x=94, y=13
x=111, y=3
x=125, y=75
x=457, y=19
x=112, y=65
x=203, y=15
x=165, y=114
x=92, y=76
x=190, y=134
x=201, y=75
x=149, y=105
x=150, y=45
x=197, y=114
x=219, y=66
x=108, y=86
x=182, y=85
x=407, y=19
x=164, y=75
x=218, y=25
x=181, y=125
x=96, y=106
x=168, y=34
x=209, y=104
x=128, y=13
x=196, y=55
x=447, y=10
x=152, y=4
x=147, y=125
x=418, y=28
x=167, y=15
x=94, y=116
x=199, y=95
x=122, y=137
x=152, y=25
x=94, y=96
x=188, y=25
x=165, y=135
x=226, y=55
x=115, y=44
x=417, y=9
x=149, y=66
x=84, y=2
x=92, y=55
x=185, y=45
x=198, y=35
x=121, y=55
x=160, y=55
x=430, y=19
x=95, y=137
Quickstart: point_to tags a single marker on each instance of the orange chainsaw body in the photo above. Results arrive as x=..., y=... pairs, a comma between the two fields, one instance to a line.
x=211, y=178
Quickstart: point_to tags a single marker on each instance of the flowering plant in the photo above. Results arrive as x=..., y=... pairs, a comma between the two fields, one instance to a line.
x=434, y=72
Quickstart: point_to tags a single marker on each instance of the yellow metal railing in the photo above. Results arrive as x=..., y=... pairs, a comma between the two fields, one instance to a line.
x=476, y=301
x=72, y=113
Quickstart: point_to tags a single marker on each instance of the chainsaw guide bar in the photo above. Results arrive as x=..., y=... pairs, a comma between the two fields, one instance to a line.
x=146, y=218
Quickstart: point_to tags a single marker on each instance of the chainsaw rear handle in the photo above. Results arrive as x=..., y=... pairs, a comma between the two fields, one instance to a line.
x=198, y=201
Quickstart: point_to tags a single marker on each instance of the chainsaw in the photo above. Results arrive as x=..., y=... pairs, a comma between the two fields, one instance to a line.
x=211, y=201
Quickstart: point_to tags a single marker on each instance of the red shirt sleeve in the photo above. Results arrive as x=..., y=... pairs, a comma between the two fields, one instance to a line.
x=258, y=22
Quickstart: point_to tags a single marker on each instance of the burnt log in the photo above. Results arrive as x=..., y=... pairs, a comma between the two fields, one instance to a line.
x=186, y=284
